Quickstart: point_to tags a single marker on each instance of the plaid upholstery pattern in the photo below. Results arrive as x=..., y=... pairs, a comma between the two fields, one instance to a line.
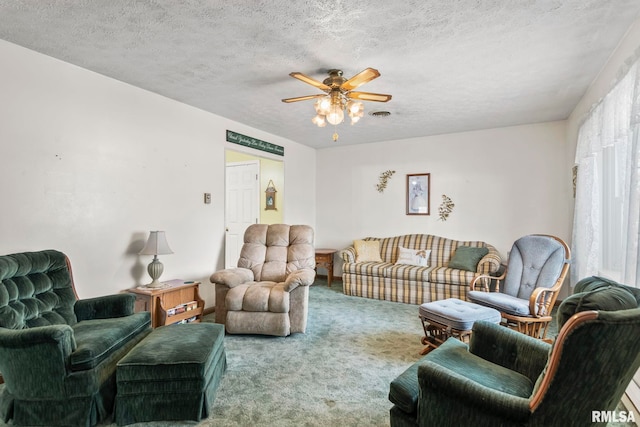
x=412, y=284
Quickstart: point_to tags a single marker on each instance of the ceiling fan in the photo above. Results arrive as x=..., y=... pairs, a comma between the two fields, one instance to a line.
x=339, y=95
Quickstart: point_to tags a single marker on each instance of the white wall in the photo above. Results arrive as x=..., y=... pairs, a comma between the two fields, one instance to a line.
x=505, y=183
x=89, y=165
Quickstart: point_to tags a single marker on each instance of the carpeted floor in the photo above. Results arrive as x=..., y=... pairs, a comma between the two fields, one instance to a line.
x=337, y=374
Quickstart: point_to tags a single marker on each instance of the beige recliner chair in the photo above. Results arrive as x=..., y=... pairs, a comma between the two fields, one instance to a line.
x=268, y=293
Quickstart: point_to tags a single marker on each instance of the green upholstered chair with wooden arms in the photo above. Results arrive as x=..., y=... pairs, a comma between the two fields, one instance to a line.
x=506, y=378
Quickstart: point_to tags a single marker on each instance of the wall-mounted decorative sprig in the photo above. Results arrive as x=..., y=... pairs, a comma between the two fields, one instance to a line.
x=446, y=207
x=384, y=177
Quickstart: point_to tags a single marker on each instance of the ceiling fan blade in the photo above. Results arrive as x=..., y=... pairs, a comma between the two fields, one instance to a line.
x=368, y=96
x=309, y=80
x=361, y=78
x=304, y=98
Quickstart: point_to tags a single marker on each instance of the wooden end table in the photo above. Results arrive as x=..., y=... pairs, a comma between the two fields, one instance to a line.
x=324, y=258
x=176, y=302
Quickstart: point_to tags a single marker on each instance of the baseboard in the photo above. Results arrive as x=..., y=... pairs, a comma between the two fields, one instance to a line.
x=334, y=279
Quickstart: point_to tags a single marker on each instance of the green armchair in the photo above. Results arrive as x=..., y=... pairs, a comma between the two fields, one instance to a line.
x=505, y=378
x=58, y=354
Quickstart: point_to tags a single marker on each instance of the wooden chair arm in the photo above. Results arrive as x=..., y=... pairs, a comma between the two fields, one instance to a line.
x=487, y=278
x=556, y=353
x=541, y=300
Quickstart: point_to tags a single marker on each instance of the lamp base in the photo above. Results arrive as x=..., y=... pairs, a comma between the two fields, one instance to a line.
x=155, y=269
x=154, y=284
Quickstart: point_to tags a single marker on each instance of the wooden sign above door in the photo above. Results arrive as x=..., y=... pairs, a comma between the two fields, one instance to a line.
x=258, y=144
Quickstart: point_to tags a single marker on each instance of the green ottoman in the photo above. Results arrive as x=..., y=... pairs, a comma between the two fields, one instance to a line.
x=172, y=374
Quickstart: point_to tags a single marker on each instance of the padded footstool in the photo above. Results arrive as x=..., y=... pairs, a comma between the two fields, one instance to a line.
x=172, y=374
x=451, y=318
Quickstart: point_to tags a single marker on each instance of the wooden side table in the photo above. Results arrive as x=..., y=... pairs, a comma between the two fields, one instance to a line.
x=178, y=301
x=324, y=258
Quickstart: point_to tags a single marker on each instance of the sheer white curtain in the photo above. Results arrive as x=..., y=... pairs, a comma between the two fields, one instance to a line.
x=607, y=207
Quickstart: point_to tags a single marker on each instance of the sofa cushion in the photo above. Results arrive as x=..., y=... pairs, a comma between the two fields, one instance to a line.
x=272, y=251
x=467, y=258
x=418, y=257
x=35, y=290
x=408, y=272
x=502, y=302
x=595, y=282
x=367, y=250
x=602, y=297
x=454, y=355
x=258, y=297
x=451, y=276
x=98, y=339
x=378, y=269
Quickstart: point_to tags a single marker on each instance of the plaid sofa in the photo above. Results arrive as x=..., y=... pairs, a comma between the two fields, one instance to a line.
x=412, y=284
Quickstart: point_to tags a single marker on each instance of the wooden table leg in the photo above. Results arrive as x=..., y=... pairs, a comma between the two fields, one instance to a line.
x=324, y=258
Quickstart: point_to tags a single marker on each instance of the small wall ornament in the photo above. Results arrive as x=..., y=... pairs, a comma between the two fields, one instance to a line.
x=383, y=179
x=446, y=207
x=270, y=199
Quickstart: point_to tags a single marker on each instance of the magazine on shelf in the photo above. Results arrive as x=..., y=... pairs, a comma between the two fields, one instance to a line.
x=181, y=308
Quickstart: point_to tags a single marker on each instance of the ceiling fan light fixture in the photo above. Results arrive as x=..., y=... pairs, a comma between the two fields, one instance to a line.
x=336, y=114
x=322, y=105
x=319, y=121
x=340, y=97
x=355, y=108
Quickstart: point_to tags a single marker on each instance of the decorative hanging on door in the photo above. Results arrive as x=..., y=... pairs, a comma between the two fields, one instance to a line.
x=270, y=200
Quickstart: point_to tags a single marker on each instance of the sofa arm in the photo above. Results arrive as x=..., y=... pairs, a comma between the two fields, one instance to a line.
x=450, y=398
x=34, y=360
x=302, y=277
x=105, y=307
x=490, y=263
x=509, y=348
x=348, y=255
x=232, y=277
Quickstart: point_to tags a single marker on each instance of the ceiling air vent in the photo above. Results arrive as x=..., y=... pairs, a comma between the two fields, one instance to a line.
x=380, y=113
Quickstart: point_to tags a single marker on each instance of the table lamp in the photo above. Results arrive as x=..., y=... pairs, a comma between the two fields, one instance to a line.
x=156, y=245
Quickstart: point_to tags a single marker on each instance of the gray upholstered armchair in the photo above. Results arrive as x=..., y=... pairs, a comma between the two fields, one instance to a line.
x=58, y=354
x=505, y=378
x=527, y=291
x=268, y=292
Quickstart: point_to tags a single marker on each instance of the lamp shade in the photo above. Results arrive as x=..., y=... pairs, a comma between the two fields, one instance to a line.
x=156, y=244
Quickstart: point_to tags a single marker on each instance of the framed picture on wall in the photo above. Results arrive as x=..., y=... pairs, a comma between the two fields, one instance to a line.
x=418, y=192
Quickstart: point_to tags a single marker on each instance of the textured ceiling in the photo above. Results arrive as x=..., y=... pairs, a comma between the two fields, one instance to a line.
x=451, y=66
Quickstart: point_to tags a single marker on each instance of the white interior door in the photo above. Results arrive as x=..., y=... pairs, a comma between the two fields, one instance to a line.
x=241, y=206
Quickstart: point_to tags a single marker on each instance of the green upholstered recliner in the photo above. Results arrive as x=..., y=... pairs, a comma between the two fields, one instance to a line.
x=58, y=354
x=505, y=378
